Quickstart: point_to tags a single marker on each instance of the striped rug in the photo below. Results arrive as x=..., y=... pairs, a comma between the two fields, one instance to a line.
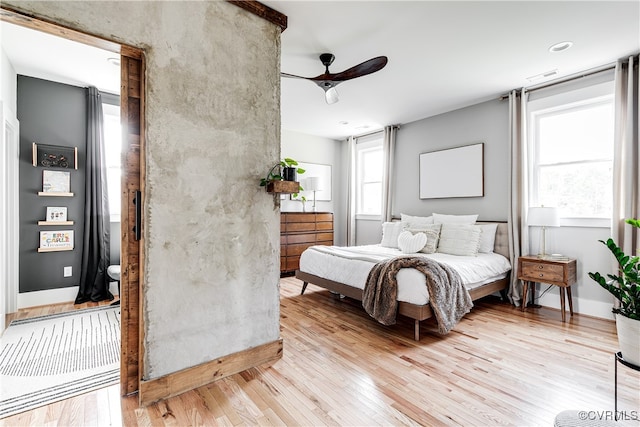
x=50, y=358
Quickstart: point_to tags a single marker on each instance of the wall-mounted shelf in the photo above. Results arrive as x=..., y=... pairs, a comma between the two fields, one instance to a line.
x=55, y=222
x=54, y=249
x=283, y=187
x=52, y=194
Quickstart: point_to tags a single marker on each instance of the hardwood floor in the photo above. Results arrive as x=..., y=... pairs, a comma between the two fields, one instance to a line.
x=499, y=366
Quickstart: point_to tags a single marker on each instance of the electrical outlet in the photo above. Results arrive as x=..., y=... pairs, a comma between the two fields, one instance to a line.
x=67, y=271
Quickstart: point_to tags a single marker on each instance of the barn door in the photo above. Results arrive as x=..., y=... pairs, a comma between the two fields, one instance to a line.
x=132, y=118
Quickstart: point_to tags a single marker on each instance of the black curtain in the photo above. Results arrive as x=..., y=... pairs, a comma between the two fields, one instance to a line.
x=94, y=282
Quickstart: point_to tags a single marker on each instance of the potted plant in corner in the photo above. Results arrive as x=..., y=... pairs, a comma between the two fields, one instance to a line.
x=626, y=289
x=285, y=170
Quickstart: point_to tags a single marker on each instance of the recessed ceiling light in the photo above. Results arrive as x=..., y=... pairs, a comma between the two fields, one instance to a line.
x=343, y=122
x=114, y=61
x=559, y=47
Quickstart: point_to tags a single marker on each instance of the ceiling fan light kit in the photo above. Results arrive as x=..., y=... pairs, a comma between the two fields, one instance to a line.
x=329, y=81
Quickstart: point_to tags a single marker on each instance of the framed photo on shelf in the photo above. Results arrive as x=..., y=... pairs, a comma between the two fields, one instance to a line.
x=56, y=213
x=56, y=181
x=61, y=239
x=54, y=156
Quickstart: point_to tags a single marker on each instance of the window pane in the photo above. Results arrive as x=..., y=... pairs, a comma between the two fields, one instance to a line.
x=580, y=191
x=371, y=198
x=372, y=165
x=576, y=135
x=113, y=148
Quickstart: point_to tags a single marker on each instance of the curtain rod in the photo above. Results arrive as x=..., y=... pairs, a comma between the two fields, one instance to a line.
x=572, y=77
x=362, y=135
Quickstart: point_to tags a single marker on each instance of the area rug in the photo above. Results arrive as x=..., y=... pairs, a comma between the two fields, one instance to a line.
x=50, y=358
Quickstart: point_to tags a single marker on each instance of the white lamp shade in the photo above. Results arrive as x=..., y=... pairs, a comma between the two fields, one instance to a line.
x=544, y=217
x=312, y=183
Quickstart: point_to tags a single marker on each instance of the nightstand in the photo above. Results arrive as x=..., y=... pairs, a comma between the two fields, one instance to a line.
x=561, y=273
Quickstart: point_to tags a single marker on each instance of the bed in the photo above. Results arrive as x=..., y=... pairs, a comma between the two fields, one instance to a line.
x=344, y=270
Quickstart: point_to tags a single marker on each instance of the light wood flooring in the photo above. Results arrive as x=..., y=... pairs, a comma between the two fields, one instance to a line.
x=499, y=366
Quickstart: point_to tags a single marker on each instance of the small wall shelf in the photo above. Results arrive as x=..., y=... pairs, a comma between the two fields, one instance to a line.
x=54, y=249
x=283, y=187
x=52, y=194
x=55, y=222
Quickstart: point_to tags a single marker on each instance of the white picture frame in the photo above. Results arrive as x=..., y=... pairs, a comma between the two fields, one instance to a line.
x=452, y=172
x=56, y=214
x=323, y=173
x=54, y=181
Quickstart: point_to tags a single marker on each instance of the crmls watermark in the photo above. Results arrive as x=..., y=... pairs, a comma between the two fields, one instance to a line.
x=609, y=415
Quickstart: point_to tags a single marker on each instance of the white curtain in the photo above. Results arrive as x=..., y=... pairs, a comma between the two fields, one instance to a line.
x=388, y=153
x=518, y=189
x=626, y=179
x=351, y=191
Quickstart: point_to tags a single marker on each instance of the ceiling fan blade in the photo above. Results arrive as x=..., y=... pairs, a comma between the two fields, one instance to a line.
x=367, y=67
x=293, y=76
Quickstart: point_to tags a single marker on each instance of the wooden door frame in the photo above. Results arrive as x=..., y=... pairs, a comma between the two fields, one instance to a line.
x=132, y=112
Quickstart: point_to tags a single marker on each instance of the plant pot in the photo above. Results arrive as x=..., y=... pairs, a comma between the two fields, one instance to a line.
x=629, y=338
x=289, y=174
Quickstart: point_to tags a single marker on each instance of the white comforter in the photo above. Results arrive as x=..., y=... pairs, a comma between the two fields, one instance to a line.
x=351, y=266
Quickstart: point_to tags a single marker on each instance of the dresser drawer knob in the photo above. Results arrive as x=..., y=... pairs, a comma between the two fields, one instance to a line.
x=541, y=275
x=540, y=267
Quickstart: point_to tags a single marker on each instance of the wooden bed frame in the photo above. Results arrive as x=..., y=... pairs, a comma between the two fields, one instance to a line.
x=413, y=311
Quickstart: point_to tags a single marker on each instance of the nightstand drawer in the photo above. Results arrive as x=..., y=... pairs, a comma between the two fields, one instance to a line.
x=539, y=272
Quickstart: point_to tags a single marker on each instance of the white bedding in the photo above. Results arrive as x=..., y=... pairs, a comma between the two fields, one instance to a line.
x=351, y=266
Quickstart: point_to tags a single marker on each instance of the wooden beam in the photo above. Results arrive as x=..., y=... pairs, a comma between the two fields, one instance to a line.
x=262, y=11
x=187, y=379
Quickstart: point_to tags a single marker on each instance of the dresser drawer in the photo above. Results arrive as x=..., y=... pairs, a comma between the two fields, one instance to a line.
x=299, y=226
x=301, y=238
x=324, y=217
x=541, y=272
x=296, y=250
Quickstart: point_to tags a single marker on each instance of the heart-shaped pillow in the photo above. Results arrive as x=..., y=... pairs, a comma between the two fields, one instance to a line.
x=410, y=243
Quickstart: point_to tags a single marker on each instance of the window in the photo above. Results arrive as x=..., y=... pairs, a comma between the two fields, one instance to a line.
x=113, y=147
x=572, y=155
x=369, y=165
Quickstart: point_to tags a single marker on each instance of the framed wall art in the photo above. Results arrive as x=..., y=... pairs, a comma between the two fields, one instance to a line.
x=54, y=156
x=61, y=240
x=56, y=213
x=453, y=172
x=320, y=176
x=56, y=181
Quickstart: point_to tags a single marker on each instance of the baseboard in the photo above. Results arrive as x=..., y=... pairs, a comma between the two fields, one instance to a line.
x=179, y=382
x=588, y=307
x=54, y=296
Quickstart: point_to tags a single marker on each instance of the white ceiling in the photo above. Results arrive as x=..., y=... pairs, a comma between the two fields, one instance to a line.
x=443, y=55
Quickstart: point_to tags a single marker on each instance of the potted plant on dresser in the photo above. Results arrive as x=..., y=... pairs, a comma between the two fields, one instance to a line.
x=626, y=289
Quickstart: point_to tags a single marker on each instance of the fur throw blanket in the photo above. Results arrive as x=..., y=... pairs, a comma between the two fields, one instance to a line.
x=448, y=297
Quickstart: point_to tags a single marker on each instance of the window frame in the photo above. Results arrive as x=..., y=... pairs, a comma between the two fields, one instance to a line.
x=575, y=100
x=368, y=146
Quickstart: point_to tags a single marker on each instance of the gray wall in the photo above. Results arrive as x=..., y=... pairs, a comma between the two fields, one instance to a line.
x=486, y=122
x=55, y=114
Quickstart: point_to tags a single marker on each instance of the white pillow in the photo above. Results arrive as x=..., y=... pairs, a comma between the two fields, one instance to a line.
x=454, y=219
x=410, y=243
x=433, y=234
x=487, y=237
x=459, y=239
x=390, y=233
x=411, y=221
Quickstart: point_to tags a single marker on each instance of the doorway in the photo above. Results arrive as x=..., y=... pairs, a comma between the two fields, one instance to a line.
x=131, y=243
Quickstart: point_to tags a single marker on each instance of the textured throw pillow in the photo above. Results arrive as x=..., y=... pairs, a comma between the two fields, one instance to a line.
x=454, y=219
x=459, y=239
x=487, y=237
x=390, y=233
x=410, y=243
x=411, y=221
x=433, y=234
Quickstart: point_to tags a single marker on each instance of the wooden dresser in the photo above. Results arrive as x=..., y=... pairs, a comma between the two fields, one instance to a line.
x=298, y=231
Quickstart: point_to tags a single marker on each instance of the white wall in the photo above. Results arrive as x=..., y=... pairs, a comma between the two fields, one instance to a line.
x=314, y=149
x=8, y=83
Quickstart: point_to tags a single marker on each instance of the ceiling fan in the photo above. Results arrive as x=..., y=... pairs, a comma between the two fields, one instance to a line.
x=329, y=81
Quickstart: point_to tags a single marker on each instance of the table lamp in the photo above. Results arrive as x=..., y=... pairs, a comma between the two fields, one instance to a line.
x=313, y=184
x=543, y=217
